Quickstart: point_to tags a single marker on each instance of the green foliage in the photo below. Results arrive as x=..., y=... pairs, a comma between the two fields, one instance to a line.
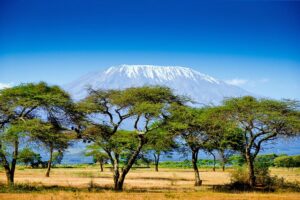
x=287, y=161
x=240, y=175
x=28, y=157
x=237, y=160
x=177, y=164
x=97, y=152
x=266, y=182
x=266, y=160
x=160, y=141
x=57, y=158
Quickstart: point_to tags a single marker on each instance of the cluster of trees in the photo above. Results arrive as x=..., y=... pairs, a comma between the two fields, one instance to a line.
x=156, y=121
x=30, y=158
x=287, y=161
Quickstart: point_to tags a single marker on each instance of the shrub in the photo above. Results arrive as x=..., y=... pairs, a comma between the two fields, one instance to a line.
x=287, y=161
x=264, y=181
x=240, y=175
x=236, y=160
x=267, y=159
x=28, y=157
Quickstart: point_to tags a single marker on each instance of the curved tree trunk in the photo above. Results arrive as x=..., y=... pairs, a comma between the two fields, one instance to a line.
x=10, y=170
x=119, y=178
x=5, y=164
x=49, y=161
x=198, y=181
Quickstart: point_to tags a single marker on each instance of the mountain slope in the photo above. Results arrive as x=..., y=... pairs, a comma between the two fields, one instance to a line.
x=201, y=88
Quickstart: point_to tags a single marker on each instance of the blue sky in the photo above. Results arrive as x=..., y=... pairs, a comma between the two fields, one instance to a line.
x=253, y=44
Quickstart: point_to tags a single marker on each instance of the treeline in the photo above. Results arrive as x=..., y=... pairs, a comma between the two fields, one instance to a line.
x=158, y=122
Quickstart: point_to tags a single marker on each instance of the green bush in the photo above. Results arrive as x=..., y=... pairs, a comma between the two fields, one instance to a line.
x=236, y=160
x=287, y=161
x=240, y=175
x=266, y=160
x=28, y=157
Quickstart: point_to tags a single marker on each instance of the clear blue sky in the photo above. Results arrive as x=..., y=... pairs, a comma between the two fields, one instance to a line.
x=255, y=45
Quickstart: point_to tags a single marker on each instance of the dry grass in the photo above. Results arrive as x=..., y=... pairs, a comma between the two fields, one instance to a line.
x=292, y=174
x=139, y=184
x=147, y=196
x=171, y=179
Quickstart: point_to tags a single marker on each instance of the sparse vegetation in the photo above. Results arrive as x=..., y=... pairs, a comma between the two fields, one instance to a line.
x=161, y=122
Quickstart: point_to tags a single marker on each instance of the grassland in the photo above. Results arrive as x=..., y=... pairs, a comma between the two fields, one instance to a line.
x=88, y=182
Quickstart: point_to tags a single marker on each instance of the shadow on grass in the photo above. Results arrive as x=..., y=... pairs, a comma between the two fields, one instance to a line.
x=228, y=188
x=240, y=187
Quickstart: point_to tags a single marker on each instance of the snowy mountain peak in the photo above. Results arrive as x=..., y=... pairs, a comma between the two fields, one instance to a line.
x=161, y=73
x=200, y=87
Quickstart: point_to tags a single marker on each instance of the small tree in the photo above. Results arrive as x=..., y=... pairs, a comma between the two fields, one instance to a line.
x=57, y=157
x=187, y=123
x=98, y=154
x=160, y=142
x=287, y=161
x=52, y=140
x=28, y=157
x=261, y=120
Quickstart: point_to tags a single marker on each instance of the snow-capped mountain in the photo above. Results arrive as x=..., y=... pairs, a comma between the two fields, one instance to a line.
x=202, y=88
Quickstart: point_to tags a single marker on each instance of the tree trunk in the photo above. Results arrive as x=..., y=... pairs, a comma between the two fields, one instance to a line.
x=214, y=161
x=49, y=161
x=198, y=181
x=119, y=179
x=6, y=168
x=156, y=161
x=251, y=173
x=101, y=166
x=223, y=159
x=10, y=171
x=9, y=175
x=116, y=171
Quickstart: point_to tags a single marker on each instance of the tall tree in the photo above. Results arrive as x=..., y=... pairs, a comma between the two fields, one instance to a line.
x=106, y=111
x=187, y=122
x=261, y=120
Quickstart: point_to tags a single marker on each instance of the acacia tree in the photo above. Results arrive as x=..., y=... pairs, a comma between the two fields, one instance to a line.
x=58, y=114
x=10, y=139
x=52, y=139
x=160, y=142
x=106, y=111
x=18, y=107
x=96, y=151
x=28, y=156
x=261, y=120
x=187, y=122
x=224, y=135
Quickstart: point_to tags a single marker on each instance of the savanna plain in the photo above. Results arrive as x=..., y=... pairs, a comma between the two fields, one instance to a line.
x=87, y=182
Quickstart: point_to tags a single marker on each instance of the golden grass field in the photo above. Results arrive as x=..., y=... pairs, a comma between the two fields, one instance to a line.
x=139, y=184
